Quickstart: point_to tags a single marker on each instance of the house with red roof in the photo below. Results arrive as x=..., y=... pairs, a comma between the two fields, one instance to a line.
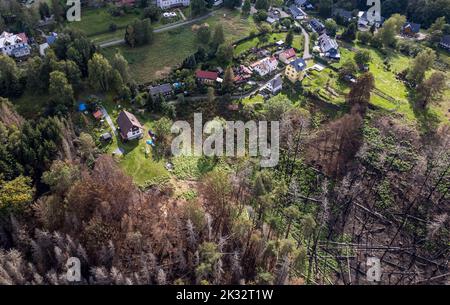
x=206, y=77
x=265, y=66
x=287, y=56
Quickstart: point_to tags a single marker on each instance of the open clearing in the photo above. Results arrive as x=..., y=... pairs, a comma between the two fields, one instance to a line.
x=170, y=48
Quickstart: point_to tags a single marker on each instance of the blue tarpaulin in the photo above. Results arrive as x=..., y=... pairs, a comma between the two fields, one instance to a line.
x=82, y=107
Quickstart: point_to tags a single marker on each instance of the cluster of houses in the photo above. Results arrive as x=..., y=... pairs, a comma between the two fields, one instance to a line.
x=18, y=47
x=49, y=40
x=14, y=45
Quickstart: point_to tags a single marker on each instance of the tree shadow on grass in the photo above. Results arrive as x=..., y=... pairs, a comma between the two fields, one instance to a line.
x=427, y=118
x=126, y=147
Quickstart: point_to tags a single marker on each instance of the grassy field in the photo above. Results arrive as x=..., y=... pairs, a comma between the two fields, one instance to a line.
x=156, y=60
x=387, y=83
x=242, y=47
x=97, y=21
x=170, y=48
x=326, y=84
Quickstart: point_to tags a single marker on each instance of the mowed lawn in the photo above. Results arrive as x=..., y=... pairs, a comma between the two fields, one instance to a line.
x=141, y=166
x=170, y=48
x=297, y=43
x=97, y=21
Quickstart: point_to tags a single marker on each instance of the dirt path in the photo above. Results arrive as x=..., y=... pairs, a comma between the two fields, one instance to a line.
x=108, y=120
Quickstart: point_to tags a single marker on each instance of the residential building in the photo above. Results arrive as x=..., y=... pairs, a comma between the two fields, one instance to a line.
x=14, y=45
x=328, y=46
x=163, y=89
x=272, y=17
x=410, y=29
x=287, y=56
x=50, y=40
x=242, y=74
x=317, y=26
x=130, y=128
x=296, y=12
x=271, y=20
x=364, y=22
x=445, y=42
x=166, y=4
x=275, y=85
x=300, y=3
x=295, y=70
x=206, y=77
x=265, y=66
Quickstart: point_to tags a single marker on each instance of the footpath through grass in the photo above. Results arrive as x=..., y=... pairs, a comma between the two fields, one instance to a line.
x=170, y=48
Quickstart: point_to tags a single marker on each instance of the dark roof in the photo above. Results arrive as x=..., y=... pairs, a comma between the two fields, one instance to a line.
x=126, y=121
x=299, y=64
x=51, y=39
x=164, y=89
x=106, y=136
x=415, y=27
x=326, y=43
x=276, y=82
x=295, y=11
x=445, y=40
x=206, y=74
x=342, y=13
x=317, y=25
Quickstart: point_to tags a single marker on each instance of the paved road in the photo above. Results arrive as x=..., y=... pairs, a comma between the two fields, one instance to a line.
x=158, y=30
x=108, y=120
x=306, y=54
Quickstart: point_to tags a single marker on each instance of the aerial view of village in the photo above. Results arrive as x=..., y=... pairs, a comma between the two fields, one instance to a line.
x=225, y=142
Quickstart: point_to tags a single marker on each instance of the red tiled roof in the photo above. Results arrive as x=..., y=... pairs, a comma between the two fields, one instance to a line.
x=206, y=74
x=98, y=114
x=288, y=53
x=23, y=36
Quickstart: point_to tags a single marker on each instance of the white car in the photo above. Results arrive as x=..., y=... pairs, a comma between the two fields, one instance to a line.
x=169, y=14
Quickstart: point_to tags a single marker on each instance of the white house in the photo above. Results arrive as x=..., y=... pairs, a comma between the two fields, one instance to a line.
x=265, y=66
x=15, y=45
x=130, y=128
x=328, y=46
x=165, y=4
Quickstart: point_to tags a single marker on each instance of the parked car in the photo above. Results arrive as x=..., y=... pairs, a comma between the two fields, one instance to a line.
x=169, y=14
